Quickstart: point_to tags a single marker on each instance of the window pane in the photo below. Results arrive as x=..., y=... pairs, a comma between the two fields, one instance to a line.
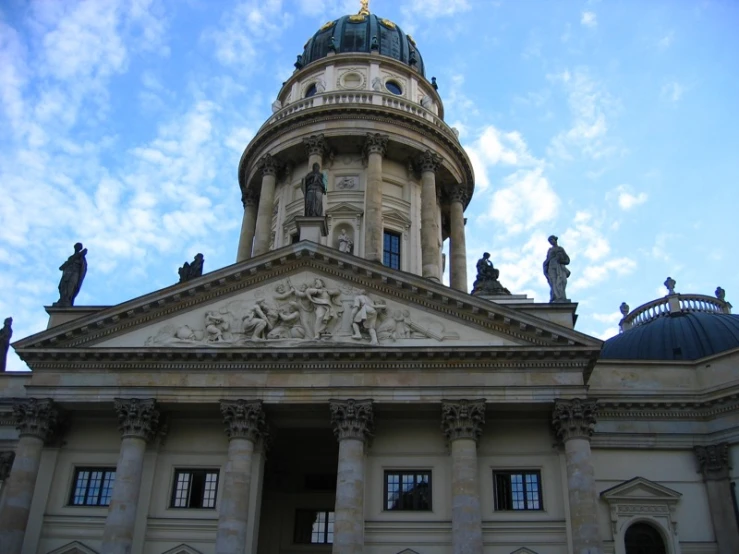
x=408, y=490
x=182, y=490
x=107, y=489
x=519, y=490
x=92, y=487
x=314, y=527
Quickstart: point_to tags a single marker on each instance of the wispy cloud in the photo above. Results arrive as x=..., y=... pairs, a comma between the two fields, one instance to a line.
x=589, y=19
x=625, y=198
x=672, y=92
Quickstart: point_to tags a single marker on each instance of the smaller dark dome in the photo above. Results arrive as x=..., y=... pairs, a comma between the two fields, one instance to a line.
x=357, y=33
x=676, y=336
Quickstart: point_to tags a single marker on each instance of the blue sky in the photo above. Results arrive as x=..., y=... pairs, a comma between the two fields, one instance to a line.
x=611, y=124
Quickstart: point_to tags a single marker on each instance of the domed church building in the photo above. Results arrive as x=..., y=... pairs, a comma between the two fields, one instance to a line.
x=328, y=393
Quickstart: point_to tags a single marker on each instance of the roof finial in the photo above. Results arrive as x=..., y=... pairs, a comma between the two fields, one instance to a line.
x=364, y=9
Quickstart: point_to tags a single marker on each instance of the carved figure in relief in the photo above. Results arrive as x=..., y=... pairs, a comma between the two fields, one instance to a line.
x=73, y=273
x=217, y=327
x=427, y=102
x=556, y=272
x=377, y=84
x=345, y=243
x=364, y=312
x=313, y=189
x=254, y=322
x=323, y=302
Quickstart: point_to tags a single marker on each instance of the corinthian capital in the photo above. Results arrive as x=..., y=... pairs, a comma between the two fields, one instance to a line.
x=713, y=461
x=6, y=463
x=429, y=161
x=315, y=145
x=249, y=197
x=137, y=417
x=458, y=194
x=574, y=418
x=375, y=144
x=269, y=165
x=244, y=419
x=352, y=419
x=36, y=417
x=463, y=419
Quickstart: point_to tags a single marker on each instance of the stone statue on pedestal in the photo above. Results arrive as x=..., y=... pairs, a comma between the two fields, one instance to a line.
x=556, y=272
x=487, y=278
x=313, y=189
x=73, y=273
x=191, y=270
x=5, y=335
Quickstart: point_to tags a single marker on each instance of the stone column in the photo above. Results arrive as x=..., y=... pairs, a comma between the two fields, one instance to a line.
x=37, y=421
x=245, y=426
x=315, y=147
x=462, y=423
x=374, y=148
x=458, y=244
x=248, y=225
x=263, y=232
x=138, y=422
x=574, y=422
x=713, y=463
x=352, y=421
x=430, y=253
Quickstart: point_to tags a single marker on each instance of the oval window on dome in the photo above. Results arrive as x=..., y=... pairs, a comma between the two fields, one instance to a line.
x=394, y=87
x=352, y=80
x=311, y=91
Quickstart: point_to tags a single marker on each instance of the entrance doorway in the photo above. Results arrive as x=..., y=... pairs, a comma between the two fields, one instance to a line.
x=643, y=538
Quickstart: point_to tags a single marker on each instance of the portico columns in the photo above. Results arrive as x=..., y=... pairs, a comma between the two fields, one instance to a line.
x=430, y=251
x=352, y=421
x=245, y=426
x=138, y=421
x=713, y=463
x=248, y=225
x=574, y=422
x=374, y=148
x=37, y=421
x=457, y=244
x=462, y=423
x=263, y=232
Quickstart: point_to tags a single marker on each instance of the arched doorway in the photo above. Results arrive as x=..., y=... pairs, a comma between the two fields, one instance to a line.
x=642, y=538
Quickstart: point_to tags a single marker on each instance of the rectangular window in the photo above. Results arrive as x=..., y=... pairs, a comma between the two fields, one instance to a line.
x=408, y=490
x=314, y=527
x=195, y=488
x=517, y=490
x=92, y=486
x=391, y=249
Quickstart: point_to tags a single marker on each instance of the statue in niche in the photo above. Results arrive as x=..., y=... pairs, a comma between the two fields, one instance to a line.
x=323, y=302
x=345, y=243
x=556, y=272
x=314, y=187
x=191, y=270
x=73, y=273
x=364, y=312
x=6, y=333
x=487, y=278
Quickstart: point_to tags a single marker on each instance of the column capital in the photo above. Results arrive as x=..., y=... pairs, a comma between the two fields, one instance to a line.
x=375, y=143
x=462, y=419
x=6, y=464
x=137, y=417
x=316, y=145
x=249, y=197
x=35, y=417
x=574, y=418
x=713, y=461
x=428, y=161
x=244, y=419
x=458, y=194
x=352, y=419
x=269, y=164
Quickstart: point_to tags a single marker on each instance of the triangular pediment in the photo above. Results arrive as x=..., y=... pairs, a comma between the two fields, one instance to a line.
x=75, y=547
x=182, y=549
x=640, y=489
x=344, y=209
x=218, y=312
x=396, y=217
x=523, y=550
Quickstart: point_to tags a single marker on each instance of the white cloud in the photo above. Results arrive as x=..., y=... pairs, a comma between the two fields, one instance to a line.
x=672, y=91
x=589, y=19
x=627, y=200
x=595, y=274
x=666, y=41
x=585, y=238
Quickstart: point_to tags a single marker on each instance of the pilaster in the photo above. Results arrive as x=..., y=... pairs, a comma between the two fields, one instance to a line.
x=713, y=464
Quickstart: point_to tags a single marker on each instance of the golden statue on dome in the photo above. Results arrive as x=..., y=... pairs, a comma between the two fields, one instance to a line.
x=364, y=10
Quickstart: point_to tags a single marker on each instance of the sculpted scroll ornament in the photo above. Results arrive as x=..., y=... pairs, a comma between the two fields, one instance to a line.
x=352, y=419
x=244, y=419
x=463, y=419
x=137, y=418
x=713, y=461
x=37, y=418
x=574, y=418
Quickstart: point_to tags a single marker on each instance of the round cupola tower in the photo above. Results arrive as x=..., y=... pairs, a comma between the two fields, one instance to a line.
x=396, y=180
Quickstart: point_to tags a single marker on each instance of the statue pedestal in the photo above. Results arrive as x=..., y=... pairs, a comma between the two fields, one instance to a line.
x=505, y=298
x=312, y=228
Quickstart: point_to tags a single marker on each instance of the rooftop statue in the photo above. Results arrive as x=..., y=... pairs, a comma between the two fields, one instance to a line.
x=5, y=335
x=192, y=270
x=556, y=272
x=314, y=188
x=73, y=273
x=487, y=278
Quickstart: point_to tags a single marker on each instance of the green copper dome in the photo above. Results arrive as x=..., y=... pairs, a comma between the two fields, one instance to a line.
x=365, y=33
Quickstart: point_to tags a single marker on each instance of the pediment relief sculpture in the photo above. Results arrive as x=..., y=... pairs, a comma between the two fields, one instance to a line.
x=312, y=310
